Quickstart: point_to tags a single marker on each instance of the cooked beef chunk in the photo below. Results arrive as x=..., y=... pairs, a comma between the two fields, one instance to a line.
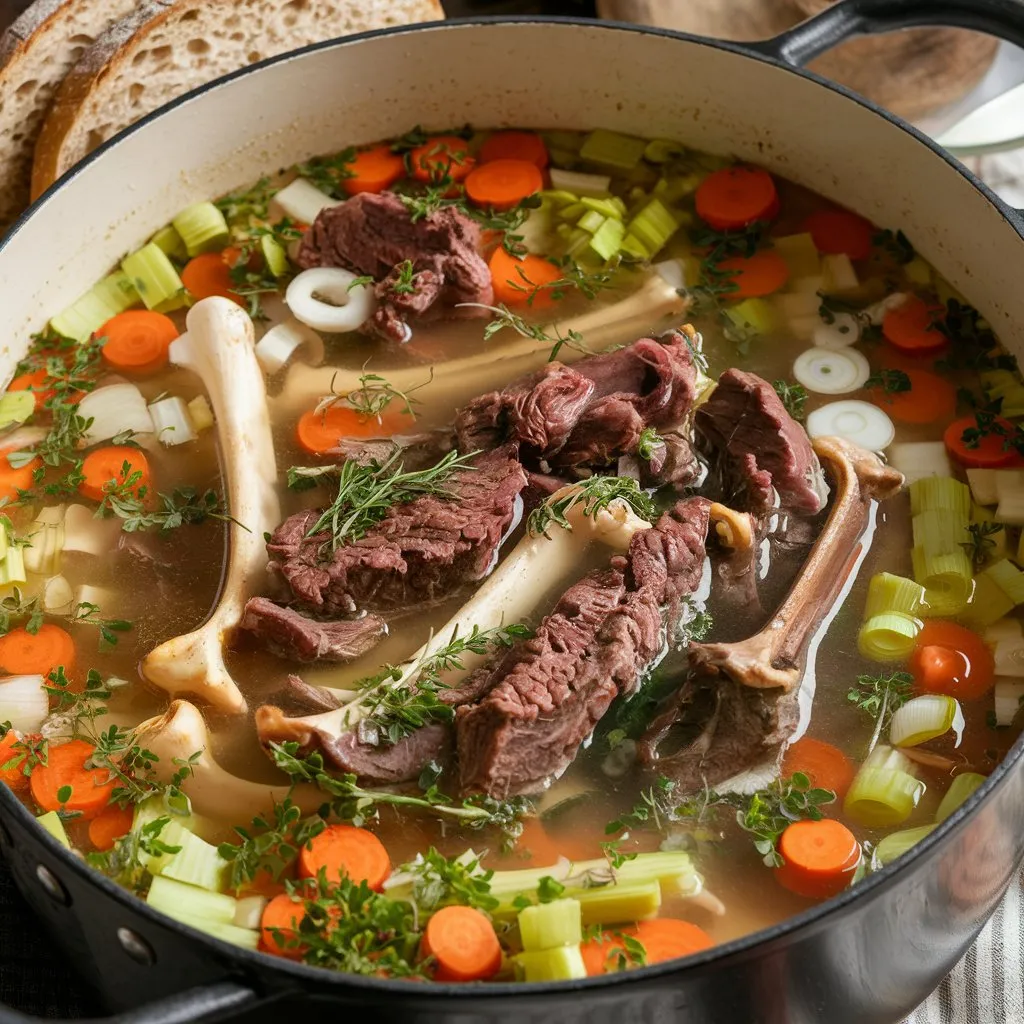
x=592, y=412
x=420, y=552
x=545, y=696
x=375, y=235
x=761, y=447
x=540, y=487
x=308, y=699
x=673, y=462
x=388, y=764
x=418, y=451
x=290, y=634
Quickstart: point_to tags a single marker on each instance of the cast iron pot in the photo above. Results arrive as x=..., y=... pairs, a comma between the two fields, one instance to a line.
x=868, y=956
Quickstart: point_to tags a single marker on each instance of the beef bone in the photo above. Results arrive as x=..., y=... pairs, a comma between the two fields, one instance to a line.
x=748, y=689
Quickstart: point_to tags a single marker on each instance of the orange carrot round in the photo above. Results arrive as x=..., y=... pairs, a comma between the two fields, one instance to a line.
x=910, y=327
x=114, y=463
x=826, y=766
x=137, y=341
x=15, y=776
x=930, y=398
x=373, y=170
x=35, y=381
x=761, y=274
x=840, y=231
x=991, y=450
x=443, y=156
x=953, y=660
x=319, y=432
x=14, y=480
x=279, y=926
x=521, y=282
x=463, y=944
x=734, y=197
x=820, y=858
x=515, y=146
x=109, y=826
x=87, y=790
x=23, y=653
x=210, y=274
x=344, y=850
x=501, y=184
x=663, y=938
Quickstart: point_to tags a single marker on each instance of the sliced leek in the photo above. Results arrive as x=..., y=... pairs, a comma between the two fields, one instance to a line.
x=114, y=409
x=1005, y=575
x=275, y=256
x=947, y=580
x=988, y=604
x=884, y=791
x=303, y=201
x=940, y=494
x=890, y=593
x=926, y=718
x=960, y=789
x=202, y=228
x=889, y=636
x=171, y=243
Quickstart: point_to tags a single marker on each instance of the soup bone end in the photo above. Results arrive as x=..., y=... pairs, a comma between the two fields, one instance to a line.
x=219, y=348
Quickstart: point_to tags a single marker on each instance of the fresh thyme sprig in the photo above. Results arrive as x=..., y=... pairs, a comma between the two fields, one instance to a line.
x=504, y=317
x=981, y=544
x=327, y=172
x=889, y=382
x=596, y=494
x=15, y=608
x=374, y=394
x=125, y=498
x=880, y=696
x=793, y=398
x=769, y=812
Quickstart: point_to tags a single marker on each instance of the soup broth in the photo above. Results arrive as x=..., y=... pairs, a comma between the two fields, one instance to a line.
x=571, y=651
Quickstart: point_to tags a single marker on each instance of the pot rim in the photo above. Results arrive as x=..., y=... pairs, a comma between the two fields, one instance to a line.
x=817, y=917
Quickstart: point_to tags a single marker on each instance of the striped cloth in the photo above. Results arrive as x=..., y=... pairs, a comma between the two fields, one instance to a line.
x=987, y=986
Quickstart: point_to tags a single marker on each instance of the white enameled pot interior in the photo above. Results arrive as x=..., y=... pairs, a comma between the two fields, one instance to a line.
x=528, y=74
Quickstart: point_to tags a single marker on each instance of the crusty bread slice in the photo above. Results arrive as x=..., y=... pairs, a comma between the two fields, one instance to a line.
x=167, y=47
x=36, y=52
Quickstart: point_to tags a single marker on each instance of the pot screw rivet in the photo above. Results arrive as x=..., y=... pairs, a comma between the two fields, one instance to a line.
x=53, y=888
x=136, y=947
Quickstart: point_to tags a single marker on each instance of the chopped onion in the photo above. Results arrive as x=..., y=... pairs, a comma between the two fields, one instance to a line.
x=23, y=702
x=302, y=201
x=346, y=310
x=860, y=423
x=1009, y=694
x=983, y=486
x=958, y=793
x=86, y=534
x=278, y=345
x=172, y=421
x=1006, y=628
x=113, y=409
x=57, y=595
x=671, y=272
x=876, y=313
x=885, y=791
x=46, y=542
x=843, y=331
x=896, y=844
x=925, y=718
x=249, y=911
x=593, y=185
x=1009, y=657
x=919, y=459
x=831, y=371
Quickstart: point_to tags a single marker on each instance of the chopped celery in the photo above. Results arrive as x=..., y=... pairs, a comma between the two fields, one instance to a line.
x=838, y=274
x=889, y=636
x=175, y=898
x=884, y=791
x=562, y=964
x=756, y=315
x=661, y=151
x=1008, y=578
x=170, y=242
x=275, y=256
x=619, y=903
x=196, y=863
x=50, y=822
x=46, y=535
x=676, y=187
x=1009, y=657
x=897, y=843
x=653, y=226
x=12, y=566
x=591, y=221
x=632, y=246
x=548, y=925
x=202, y=228
x=608, y=238
x=925, y=718
x=918, y=272
x=580, y=184
x=947, y=580
x=940, y=494
x=611, y=207
x=1007, y=698
x=572, y=213
x=890, y=593
x=612, y=149
x=988, y=603
x=155, y=278
x=560, y=197
x=117, y=292
x=801, y=255
x=939, y=531
x=244, y=937
x=960, y=789
x=84, y=316
x=16, y=407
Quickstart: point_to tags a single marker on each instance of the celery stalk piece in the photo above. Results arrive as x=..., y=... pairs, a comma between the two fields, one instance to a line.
x=755, y=315
x=611, y=207
x=16, y=407
x=897, y=843
x=84, y=316
x=940, y=494
x=50, y=822
x=548, y=925
x=560, y=197
x=890, y=593
x=661, y=151
x=196, y=863
x=171, y=243
x=960, y=789
x=175, y=898
x=654, y=226
x=562, y=964
x=244, y=937
x=275, y=255
x=572, y=212
x=632, y=246
x=889, y=636
x=989, y=603
x=154, y=277
x=612, y=149
x=608, y=238
x=1010, y=580
x=801, y=255
x=12, y=567
x=117, y=292
x=202, y=228
x=591, y=221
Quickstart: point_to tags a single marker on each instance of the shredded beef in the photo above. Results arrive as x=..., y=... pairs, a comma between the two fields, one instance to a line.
x=388, y=764
x=375, y=234
x=419, y=553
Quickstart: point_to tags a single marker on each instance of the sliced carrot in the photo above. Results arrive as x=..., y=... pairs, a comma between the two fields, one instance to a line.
x=521, y=282
x=826, y=766
x=117, y=463
x=210, y=274
x=137, y=341
x=14, y=776
x=991, y=449
x=663, y=938
x=761, y=274
x=279, y=926
x=911, y=327
x=344, y=850
x=735, y=197
x=106, y=828
x=320, y=432
x=88, y=790
x=14, y=480
x=502, y=184
x=463, y=944
x=953, y=660
x=930, y=398
x=23, y=653
x=840, y=231
x=515, y=146
x=373, y=170
x=35, y=381
x=820, y=858
x=443, y=156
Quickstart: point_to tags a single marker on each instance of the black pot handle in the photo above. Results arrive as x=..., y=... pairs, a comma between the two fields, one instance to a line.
x=850, y=18
x=194, y=1006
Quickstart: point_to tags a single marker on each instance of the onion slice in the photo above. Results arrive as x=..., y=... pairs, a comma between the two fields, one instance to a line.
x=279, y=344
x=23, y=702
x=172, y=421
x=326, y=299
x=831, y=371
x=843, y=331
x=860, y=423
x=925, y=718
